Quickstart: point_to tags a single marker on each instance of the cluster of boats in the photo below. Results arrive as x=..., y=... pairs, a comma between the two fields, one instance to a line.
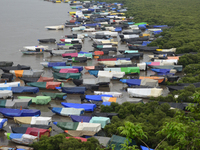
x=105, y=24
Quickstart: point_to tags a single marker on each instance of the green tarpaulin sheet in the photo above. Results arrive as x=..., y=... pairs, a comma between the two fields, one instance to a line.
x=117, y=141
x=68, y=125
x=129, y=70
x=38, y=84
x=140, y=23
x=66, y=75
x=41, y=100
x=54, y=95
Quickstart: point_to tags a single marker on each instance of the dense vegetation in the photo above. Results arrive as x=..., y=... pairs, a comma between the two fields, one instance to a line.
x=151, y=115
x=59, y=142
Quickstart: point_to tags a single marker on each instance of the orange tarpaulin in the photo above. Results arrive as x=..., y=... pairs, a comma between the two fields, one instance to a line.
x=89, y=67
x=52, y=85
x=19, y=73
x=45, y=79
x=112, y=99
x=160, y=79
x=177, y=57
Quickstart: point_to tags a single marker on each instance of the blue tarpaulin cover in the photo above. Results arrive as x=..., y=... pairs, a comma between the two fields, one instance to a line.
x=2, y=122
x=15, y=135
x=96, y=97
x=86, y=107
x=145, y=148
x=142, y=26
x=51, y=64
x=66, y=111
x=144, y=43
x=118, y=29
x=92, y=25
x=9, y=112
x=71, y=90
x=80, y=118
x=123, y=59
x=106, y=103
x=131, y=81
x=94, y=72
x=162, y=71
x=23, y=89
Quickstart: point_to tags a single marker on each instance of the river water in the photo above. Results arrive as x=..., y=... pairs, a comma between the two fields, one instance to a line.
x=22, y=23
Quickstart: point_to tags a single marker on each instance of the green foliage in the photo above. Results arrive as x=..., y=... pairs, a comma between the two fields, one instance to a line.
x=59, y=142
x=189, y=59
x=150, y=116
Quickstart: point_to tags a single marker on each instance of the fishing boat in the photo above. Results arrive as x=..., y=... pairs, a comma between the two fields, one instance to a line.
x=67, y=111
x=80, y=68
x=66, y=70
x=9, y=112
x=79, y=126
x=18, y=67
x=72, y=90
x=32, y=52
x=27, y=73
x=5, y=93
x=34, y=121
x=10, y=84
x=86, y=107
x=160, y=79
x=61, y=96
x=178, y=68
x=52, y=64
x=36, y=48
x=47, y=40
x=108, y=74
x=24, y=89
x=46, y=85
x=3, y=123
x=19, y=138
x=31, y=131
x=145, y=92
x=40, y=100
x=66, y=75
x=38, y=79
x=60, y=52
x=113, y=63
x=127, y=70
x=167, y=50
x=140, y=82
x=16, y=103
x=95, y=97
x=59, y=27
x=97, y=81
x=72, y=41
x=164, y=71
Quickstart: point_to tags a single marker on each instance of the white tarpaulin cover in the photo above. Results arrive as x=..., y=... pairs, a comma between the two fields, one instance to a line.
x=167, y=62
x=33, y=120
x=84, y=126
x=144, y=92
x=114, y=94
x=5, y=93
x=10, y=84
x=113, y=63
x=111, y=74
x=71, y=111
x=142, y=66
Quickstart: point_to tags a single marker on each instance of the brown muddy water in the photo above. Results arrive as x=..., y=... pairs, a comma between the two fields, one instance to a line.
x=22, y=23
